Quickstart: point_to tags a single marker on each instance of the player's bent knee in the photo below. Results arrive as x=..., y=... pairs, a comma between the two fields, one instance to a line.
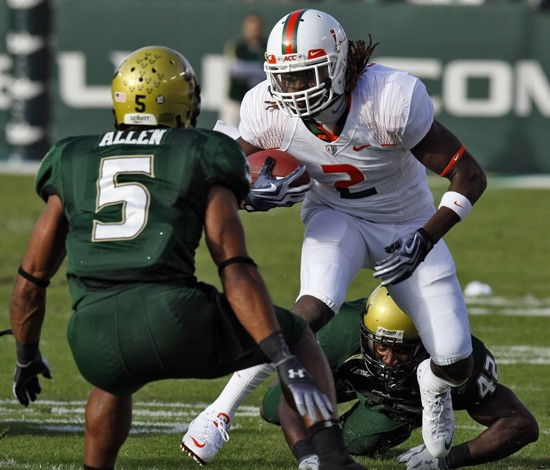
x=269, y=408
x=315, y=312
x=457, y=373
x=527, y=428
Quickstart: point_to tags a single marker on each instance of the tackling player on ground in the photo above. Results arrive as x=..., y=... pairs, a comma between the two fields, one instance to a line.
x=366, y=134
x=374, y=352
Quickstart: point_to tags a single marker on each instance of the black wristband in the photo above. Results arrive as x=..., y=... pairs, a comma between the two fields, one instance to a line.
x=459, y=456
x=35, y=280
x=275, y=347
x=235, y=259
x=26, y=353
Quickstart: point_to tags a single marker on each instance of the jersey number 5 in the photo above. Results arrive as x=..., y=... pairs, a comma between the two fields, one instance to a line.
x=134, y=197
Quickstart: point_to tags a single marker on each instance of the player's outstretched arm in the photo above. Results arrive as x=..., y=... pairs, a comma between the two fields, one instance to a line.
x=43, y=257
x=440, y=151
x=251, y=302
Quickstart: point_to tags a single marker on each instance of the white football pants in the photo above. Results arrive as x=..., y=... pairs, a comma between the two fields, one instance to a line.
x=336, y=246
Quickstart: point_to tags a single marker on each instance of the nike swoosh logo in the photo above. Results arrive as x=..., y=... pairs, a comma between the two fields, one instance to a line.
x=457, y=204
x=316, y=53
x=360, y=147
x=409, y=249
x=200, y=446
x=271, y=188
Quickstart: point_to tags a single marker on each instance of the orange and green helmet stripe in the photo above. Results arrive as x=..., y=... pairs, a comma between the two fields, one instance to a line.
x=290, y=32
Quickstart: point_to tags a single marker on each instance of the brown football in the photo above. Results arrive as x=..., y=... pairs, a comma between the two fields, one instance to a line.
x=284, y=165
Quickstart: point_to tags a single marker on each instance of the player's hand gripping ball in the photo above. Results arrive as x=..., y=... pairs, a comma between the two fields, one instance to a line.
x=284, y=165
x=278, y=180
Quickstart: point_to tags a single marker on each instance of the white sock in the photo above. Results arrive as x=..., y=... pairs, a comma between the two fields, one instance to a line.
x=240, y=386
x=431, y=382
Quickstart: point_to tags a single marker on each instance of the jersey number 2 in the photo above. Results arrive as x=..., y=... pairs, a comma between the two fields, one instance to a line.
x=134, y=197
x=355, y=177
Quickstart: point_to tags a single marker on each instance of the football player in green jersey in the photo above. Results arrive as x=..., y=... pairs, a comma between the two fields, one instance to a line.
x=374, y=351
x=128, y=208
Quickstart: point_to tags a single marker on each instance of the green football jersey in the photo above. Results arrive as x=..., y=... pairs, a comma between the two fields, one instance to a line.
x=135, y=201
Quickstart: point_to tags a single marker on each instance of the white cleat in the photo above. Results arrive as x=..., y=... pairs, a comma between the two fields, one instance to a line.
x=311, y=462
x=206, y=435
x=438, y=422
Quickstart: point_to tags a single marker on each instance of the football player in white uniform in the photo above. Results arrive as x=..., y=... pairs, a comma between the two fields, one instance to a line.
x=366, y=134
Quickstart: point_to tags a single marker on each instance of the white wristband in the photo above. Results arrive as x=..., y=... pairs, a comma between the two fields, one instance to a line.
x=457, y=203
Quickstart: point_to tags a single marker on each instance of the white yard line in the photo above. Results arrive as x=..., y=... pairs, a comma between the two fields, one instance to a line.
x=525, y=307
x=68, y=416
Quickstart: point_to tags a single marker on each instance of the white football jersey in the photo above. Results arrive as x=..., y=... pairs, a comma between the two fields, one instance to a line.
x=369, y=171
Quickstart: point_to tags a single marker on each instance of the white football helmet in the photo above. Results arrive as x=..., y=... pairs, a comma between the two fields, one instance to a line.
x=306, y=62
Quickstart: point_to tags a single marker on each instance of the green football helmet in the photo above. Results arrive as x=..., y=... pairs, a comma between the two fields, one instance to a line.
x=385, y=323
x=156, y=86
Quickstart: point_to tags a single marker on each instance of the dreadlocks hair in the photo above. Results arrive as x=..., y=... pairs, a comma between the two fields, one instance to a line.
x=358, y=57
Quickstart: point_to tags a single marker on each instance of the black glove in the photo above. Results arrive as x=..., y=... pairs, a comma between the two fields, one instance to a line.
x=407, y=252
x=306, y=394
x=25, y=380
x=269, y=192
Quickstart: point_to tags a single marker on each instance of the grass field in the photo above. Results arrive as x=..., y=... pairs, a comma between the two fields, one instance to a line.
x=505, y=242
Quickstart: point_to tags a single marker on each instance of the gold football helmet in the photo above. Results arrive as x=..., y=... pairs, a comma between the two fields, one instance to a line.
x=385, y=326
x=156, y=86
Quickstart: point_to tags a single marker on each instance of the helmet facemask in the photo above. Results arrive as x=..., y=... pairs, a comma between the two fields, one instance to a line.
x=391, y=375
x=304, y=90
x=387, y=332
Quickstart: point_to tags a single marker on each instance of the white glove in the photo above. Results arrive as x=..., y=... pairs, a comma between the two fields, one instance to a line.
x=419, y=458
